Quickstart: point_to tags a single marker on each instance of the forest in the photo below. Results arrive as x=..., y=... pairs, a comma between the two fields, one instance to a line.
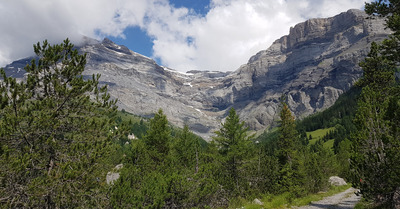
x=61, y=136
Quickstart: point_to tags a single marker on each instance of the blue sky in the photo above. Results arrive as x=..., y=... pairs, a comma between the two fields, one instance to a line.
x=199, y=6
x=135, y=39
x=138, y=40
x=181, y=34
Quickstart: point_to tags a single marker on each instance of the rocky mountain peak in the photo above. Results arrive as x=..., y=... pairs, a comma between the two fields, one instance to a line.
x=323, y=29
x=312, y=65
x=315, y=63
x=351, y=25
x=118, y=48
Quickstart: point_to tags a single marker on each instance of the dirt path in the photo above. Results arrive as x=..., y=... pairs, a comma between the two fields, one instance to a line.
x=343, y=200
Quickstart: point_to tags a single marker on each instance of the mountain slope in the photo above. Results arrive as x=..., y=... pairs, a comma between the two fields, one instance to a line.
x=312, y=65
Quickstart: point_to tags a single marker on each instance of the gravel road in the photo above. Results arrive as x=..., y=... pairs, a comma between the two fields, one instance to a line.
x=343, y=200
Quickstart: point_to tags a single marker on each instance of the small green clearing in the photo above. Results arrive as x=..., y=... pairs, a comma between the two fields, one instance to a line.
x=318, y=134
x=126, y=117
x=329, y=144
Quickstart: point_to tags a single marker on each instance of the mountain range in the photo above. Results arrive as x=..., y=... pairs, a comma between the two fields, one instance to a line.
x=311, y=66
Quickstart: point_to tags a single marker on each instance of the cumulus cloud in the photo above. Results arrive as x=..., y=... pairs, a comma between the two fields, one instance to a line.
x=25, y=22
x=223, y=39
x=232, y=31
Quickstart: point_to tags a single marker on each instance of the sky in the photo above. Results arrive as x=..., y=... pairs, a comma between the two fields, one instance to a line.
x=215, y=35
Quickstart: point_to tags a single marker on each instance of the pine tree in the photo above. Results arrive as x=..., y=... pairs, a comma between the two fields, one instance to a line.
x=54, y=137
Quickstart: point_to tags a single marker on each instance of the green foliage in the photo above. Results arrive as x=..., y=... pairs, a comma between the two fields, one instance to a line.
x=158, y=136
x=137, y=125
x=303, y=169
x=378, y=71
x=288, y=142
x=375, y=159
x=343, y=159
x=291, y=161
x=187, y=149
x=286, y=200
x=233, y=144
x=268, y=140
x=61, y=134
x=324, y=167
x=337, y=120
x=318, y=134
x=135, y=190
x=342, y=112
x=53, y=136
x=185, y=176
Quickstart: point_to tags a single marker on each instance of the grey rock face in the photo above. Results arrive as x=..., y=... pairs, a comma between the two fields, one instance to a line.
x=312, y=66
x=337, y=181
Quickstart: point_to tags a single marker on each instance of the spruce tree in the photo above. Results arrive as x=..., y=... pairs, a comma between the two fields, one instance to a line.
x=342, y=158
x=187, y=149
x=233, y=142
x=288, y=141
x=158, y=137
x=288, y=152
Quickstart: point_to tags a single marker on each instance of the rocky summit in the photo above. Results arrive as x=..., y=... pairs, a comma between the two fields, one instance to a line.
x=311, y=66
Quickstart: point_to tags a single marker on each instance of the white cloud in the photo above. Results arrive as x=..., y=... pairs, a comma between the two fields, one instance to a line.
x=223, y=39
x=232, y=31
x=25, y=22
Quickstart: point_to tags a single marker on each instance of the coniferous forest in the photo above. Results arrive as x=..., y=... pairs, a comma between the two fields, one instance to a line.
x=62, y=139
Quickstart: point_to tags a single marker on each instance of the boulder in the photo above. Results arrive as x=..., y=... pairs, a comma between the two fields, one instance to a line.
x=257, y=202
x=337, y=181
x=113, y=175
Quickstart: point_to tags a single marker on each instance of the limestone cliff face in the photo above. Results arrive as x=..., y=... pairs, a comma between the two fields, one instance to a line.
x=312, y=65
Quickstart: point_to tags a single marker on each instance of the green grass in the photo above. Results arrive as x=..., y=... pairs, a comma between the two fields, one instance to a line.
x=277, y=201
x=284, y=200
x=364, y=204
x=126, y=116
x=319, y=196
x=329, y=144
x=318, y=134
